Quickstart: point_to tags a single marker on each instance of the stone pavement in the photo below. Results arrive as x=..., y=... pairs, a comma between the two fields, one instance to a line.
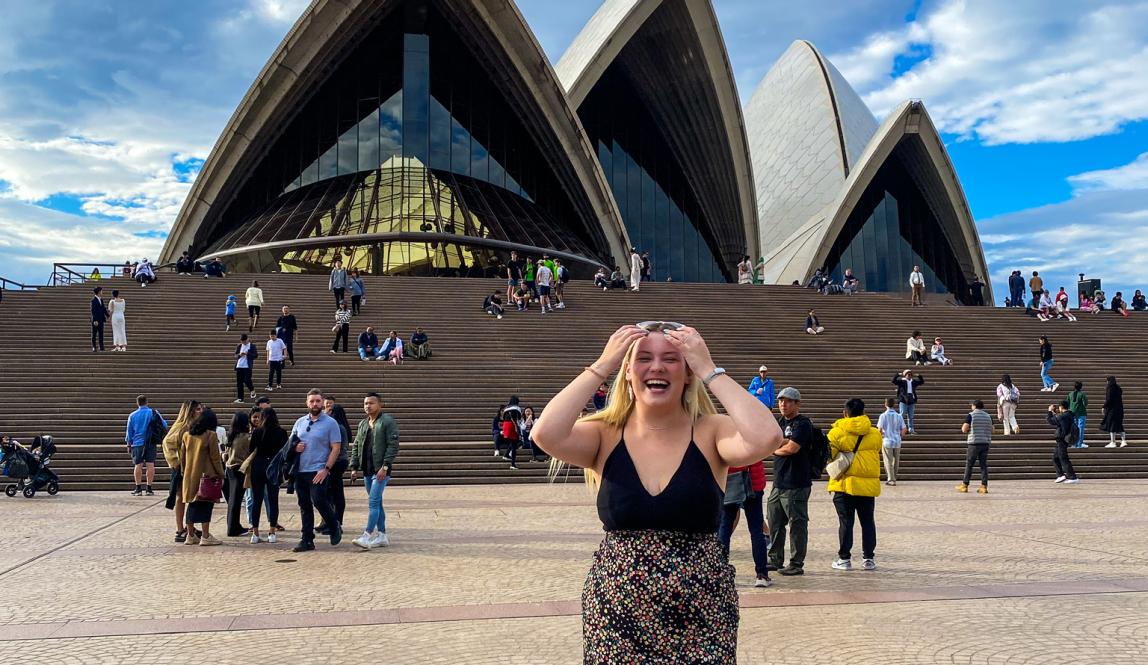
x=1032, y=573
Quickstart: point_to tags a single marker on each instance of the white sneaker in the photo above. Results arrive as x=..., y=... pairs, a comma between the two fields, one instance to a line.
x=1083, y=445
x=1111, y=445
x=272, y=538
x=763, y=583
x=496, y=454
x=1060, y=479
x=1072, y=481
x=500, y=317
x=869, y=564
x=255, y=539
x=363, y=541
x=561, y=305
x=842, y=564
x=379, y=540
x=1054, y=387
x=1123, y=443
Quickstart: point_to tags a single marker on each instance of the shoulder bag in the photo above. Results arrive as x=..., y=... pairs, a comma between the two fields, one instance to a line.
x=841, y=463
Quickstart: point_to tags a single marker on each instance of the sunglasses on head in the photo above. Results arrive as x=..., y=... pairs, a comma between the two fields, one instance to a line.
x=660, y=326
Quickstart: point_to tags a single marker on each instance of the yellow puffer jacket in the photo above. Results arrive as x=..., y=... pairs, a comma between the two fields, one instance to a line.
x=864, y=476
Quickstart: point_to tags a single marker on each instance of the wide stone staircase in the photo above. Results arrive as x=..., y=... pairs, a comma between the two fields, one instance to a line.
x=50, y=382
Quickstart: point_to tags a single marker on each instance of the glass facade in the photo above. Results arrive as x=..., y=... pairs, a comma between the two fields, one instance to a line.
x=893, y=228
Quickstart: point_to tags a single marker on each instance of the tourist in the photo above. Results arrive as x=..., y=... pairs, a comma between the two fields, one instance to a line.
x=937, y=352
x=144, y=273
x=245, y=356
x=95, y=275
x=1061, y=295
x=358, y=289
x=528, y=276
x=1061, y=418
x=1098, y=299
x=1086, y=304
x=287, y=327
x=1118, y=306
x=509, y=434
x=1112, y=413
x=617, y=279
x=99, y=316
x=976, y=291
x=855, y=492
x=392, y=349
x=600, y=396
x=1016, y=288
x=536, y=454
x=229, y=312
x=744, y=488
x=647, y=267
x=1138, y=301
x=907, y=386
x=276, y=355
x=1062, y=309
x=978, y=428
x=1078, y=405
x=146, y=428
x=373, y=456
x=1008, y=396
x=759, y=271
x=602, y=278
x=762, y=387
x=520, y=296
x=493, y=305
x=1045, y=306
x=342, y=327
x=317, y=441
x=337, y=282
x=813, y=324
x=254, y=301
x=745, y=271
x=199, y=454
x=420, y=345
x=267, y=440
x=793, y=474
x=515, y=274
x=850, y=283
x=238, y=449
x=545, y=276
x=368, y=344
x=561, y=277
x=335, y=490
x=893, y=428
x=1046, y=363
x=214, y=269
x=116, y=308
x=172, y=444
x=1035, y=284
x=660, y=562
x=635, y=269
x=917, y=285
x=184, y=265
x=915, y=349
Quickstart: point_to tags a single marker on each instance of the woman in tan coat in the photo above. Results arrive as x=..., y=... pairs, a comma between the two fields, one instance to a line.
x=199, y=456
x=172, y=442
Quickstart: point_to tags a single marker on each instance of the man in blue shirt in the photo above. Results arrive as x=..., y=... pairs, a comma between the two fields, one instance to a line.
x=142, y=445
x=317, y=441
x=762, y=388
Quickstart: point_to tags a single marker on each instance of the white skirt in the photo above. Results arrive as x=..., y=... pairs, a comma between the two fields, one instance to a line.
x=119, y=330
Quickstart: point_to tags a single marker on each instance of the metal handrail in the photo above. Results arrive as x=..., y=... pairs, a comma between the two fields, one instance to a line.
x=4, y=282
x=64, y=274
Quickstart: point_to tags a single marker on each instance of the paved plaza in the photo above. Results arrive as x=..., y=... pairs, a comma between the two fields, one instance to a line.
x=1032, y=573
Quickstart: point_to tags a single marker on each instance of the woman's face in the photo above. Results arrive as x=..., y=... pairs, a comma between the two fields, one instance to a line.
x=256, y=419
x=529, y=412
x=197, y=411
x=657, y=373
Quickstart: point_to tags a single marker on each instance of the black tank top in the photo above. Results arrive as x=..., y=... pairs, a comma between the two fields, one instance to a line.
x=690, y=502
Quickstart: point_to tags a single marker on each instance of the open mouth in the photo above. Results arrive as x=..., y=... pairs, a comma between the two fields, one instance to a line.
x=657, y=386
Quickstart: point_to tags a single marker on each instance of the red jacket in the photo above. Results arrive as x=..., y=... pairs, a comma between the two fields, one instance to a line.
x=756, y=475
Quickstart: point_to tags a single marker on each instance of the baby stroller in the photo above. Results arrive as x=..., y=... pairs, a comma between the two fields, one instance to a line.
x=29, y=468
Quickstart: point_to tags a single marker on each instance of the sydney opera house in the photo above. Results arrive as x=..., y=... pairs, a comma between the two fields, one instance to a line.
x=427, y=137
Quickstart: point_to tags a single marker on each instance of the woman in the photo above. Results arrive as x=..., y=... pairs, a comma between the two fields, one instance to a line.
x=1008, y=396
x=751, y=503
x=745, y=271
x=855, y=492
x=509, y=429
x=1139, y=303
x=658, y=454
x=266, y=441
x=238, y=450
x=813, y=324
x=1118, y=306
x=358, y=289
x=759, y=271
x=119, y=326
x=527, y=427
x=172, y=442
x=342, y=327
x=1112, y=415
x=337, y=282
x=254, y=300
x=335, y=490
x=1086, y=304
x=199, y=453
x=915, y=349
x=938, y=352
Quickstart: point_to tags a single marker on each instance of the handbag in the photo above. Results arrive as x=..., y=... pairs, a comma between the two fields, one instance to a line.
x=738, y=488
x=841, y=463
x=210, y=489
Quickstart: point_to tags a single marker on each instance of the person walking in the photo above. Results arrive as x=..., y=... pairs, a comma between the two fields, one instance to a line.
x=635, y=269
x=907, y=386
x=373, y=456
x=316, y=441
x=172, y=445
x=660, y=565
x=1061, y=418
x=342, y=327
x=276, y=354
x=787, y=507
x=358, y=290
x=978, y=428
x=762, y=388
x=238, y=449
x=267, y=441
x=337, y=282
x=145, y=432
x=510, y=429
x=1046, y=363
x=647, y=267
x=1112, y=413
x=744, y=489
x=99, y=316
x=287, y=328
x=745, y=271
x=116, y=308
x=229, y=312
x=1008, y=397
x=1078, y=405
x=336, y=491
x=855, y=492
x=245, y=356
x=201, y=460
x=254, y=301
x=893, y=428
x=917, y=285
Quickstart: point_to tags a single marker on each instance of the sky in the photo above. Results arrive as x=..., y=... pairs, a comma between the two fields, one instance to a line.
x=108, y=109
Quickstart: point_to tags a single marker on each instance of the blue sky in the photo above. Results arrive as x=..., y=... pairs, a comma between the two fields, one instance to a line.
x=1044, y=108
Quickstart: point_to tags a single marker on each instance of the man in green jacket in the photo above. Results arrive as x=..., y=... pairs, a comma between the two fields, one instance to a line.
x=1078, y=405
x=373, y=454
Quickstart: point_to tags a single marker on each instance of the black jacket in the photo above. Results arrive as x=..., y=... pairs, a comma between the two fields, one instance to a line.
x=1063, y=422
x=903, y=394
x=1046, y=352
x=1016, y=284
x=99, y=312
x=369, y=341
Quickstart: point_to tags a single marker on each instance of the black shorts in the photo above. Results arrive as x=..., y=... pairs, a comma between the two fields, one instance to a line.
x=543, y=290
x=253, y=310
x=144, y=454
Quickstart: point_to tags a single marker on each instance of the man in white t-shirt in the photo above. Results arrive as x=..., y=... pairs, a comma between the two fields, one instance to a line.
x=276, y=352
x=917, y=284
x=543, y=276
x=245, y=355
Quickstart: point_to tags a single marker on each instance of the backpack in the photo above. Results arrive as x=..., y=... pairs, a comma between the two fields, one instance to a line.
x=819, y=454
x=509, y=430
x=1073, y=435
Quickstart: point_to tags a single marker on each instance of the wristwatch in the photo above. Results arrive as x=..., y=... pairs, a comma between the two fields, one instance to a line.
x=718, y=371
x=327, y=468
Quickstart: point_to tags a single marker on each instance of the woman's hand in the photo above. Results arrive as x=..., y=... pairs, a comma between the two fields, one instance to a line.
x=616, y=348
x=693, y=348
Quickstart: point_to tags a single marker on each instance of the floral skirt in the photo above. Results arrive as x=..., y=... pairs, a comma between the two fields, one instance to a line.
x=659, y=597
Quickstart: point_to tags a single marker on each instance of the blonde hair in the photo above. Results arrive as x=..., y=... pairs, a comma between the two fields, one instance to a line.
x=182, y=421
x=620, y=406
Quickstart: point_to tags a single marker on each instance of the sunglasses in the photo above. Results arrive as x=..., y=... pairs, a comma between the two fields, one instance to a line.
x=660, y=326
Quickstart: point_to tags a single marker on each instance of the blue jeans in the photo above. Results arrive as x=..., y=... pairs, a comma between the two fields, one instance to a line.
x=756, y=523
x=909, y=413
x=1044, y=367
x=363, y=353
x=1080, y=426
x=376, y=516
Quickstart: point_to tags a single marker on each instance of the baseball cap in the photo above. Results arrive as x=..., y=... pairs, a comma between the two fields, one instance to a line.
x=763, y=368
x=790, y=393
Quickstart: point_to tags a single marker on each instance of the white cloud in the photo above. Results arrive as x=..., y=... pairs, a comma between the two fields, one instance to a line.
x=1130, y=176
x=1015, y=72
